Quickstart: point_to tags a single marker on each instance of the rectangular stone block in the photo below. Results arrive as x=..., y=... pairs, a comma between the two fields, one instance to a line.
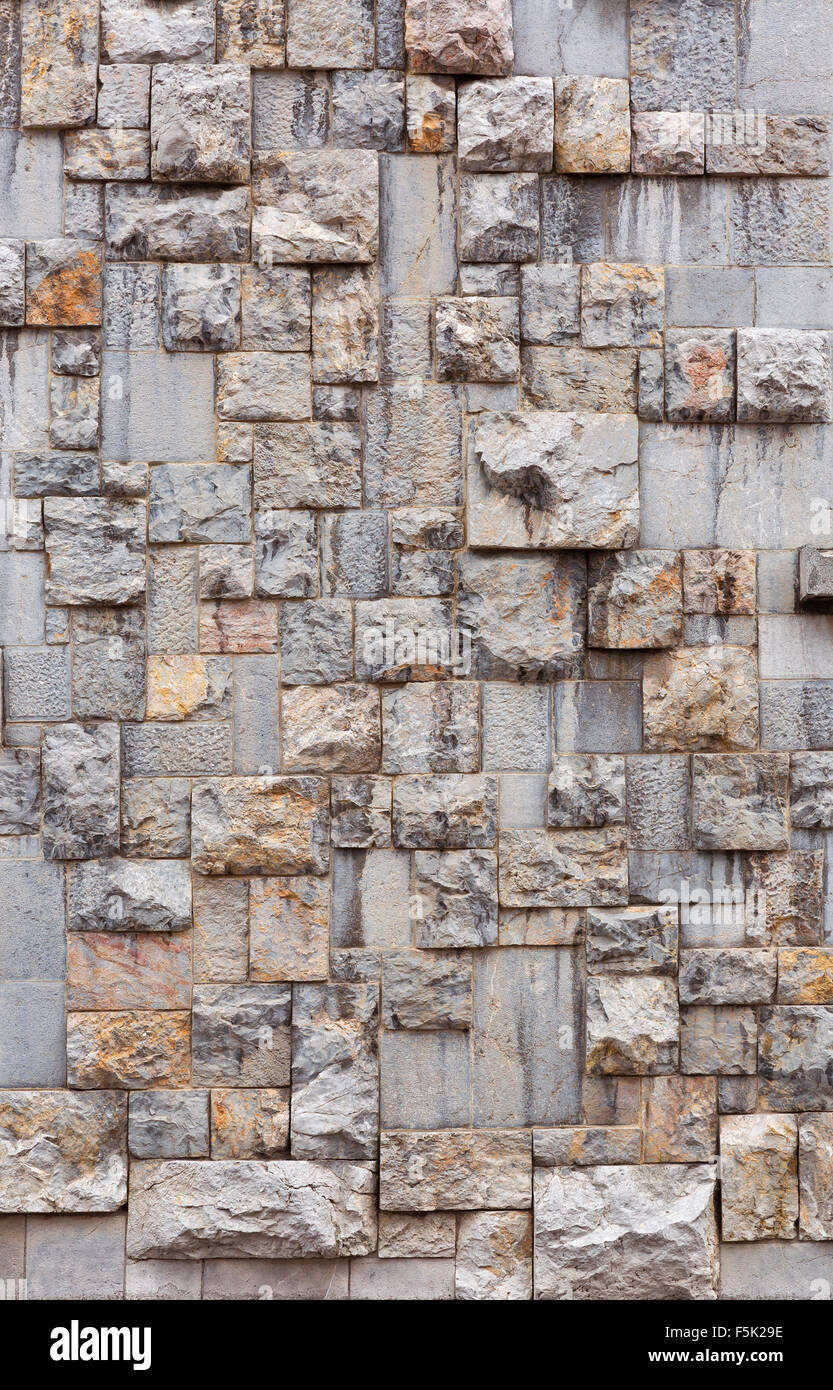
x=271, y=825
x=128, y=1050
x=275, y=1210
x=241, y=1035
x=563, y=868
x=469, y=1170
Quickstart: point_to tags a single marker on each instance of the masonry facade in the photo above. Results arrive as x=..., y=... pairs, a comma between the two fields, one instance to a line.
x=416, y=623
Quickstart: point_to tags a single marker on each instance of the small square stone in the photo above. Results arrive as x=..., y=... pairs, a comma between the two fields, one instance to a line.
x=719, y=581
x=622, y=305
x=289, y=928
x=63, y=283
x=200, y=308
x=505, y=124
x=200, y=122
x=700, y=374
x=668, y=142
x=549, y=303
x=592, y=125
x=784, y=375
x=498, y=217
x=276, y=308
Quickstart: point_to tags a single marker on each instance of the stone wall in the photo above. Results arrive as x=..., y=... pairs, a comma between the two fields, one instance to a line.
x=416, y=622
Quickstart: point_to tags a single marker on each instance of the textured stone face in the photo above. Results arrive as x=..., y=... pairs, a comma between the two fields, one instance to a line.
x=700, y=698
x=759, y=1179
x=506, y=125
x=276, y=1210
x=634, y=599
x=654, y=1232
x=468, y=1170
x=271, y=825
x=477, y=339
x=315, y=206
x=62, y=1151
x=633, y=1025
x=592, y=125
x=553, y=479
x=739, y=801
x=472, y=37
x=700, y=374
x=334, y=1071
x=415, y=649
x=784, y=375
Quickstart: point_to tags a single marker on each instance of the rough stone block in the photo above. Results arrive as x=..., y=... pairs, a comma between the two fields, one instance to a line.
x=315, y=206
x=128, y=1050
x=265, y=825
x=241, y=1035
x=169, y=1124
x=506, y=124
x=739, y=801
x=700, y=374
x=592, y=125
x=633, y=1025
x=466, y=1170
x=447, y=37
x=499, y=217
x=759, y=1177
x=563, y=868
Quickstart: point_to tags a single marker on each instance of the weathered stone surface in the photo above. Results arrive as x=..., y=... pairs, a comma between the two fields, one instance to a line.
x=622, y=305
x=592, y=125
x=718, y=1041
x=276, y=1210
x=547, y=479
x=334, y=36
x=583, y=1147
x=200, y=308
x=80, y=791
x=12, y=284
x=315, y=206
x=345, y=324
x=494, y=1256
x=793, y=1055
x=456, y=811
x=221, y=930
x=263, y=386
x=651, y=385
x=264, y=825
x=19, y=791
x=654, y=1232
x=700, y=374
x=586, y=790
x=759, y=1177
x=128, y=971
x=739, y=801
x=147, y=221
x=634, y=940
x=276, y=308
x=62, y=1151
x=728, y=977
x=455, y=895
x=784, y=374
x=668, y=142
x=815, y=1167
x=413, y=440
x=431, y=114
x=563, y=868
x=59, y=52
x=785, y=894
x=571, y=378
x=431, y=726
x=135, y=32
x=107, y=154
x=526, y=1064
x=188, y=687
x=503, y=125
x=719, y=581
x=679, y=1119
x=331, y=728
x=682, y=56
x=477, y=339
x=63, y=283
x=550, y=297
x=805, y=976
x=241, y=1035
x=634, y=599
x=787, y=145
x=361, y=812
x=475, y=37
x=426, y=992
x=417, y=1235
x=499, y=217
x=121, y=895
x=369, y=110
x=315, y=464
x=169, y=1124
x=200, y=123
x=96, y=549
x=124, y=96
x=316, y=642
x=286, y=553
x=128, y=1050
x=249, y=1123
x=524, y=615
x=466, y=1170
x=700, y=698
x=633, y=1025
x=335, y=1071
